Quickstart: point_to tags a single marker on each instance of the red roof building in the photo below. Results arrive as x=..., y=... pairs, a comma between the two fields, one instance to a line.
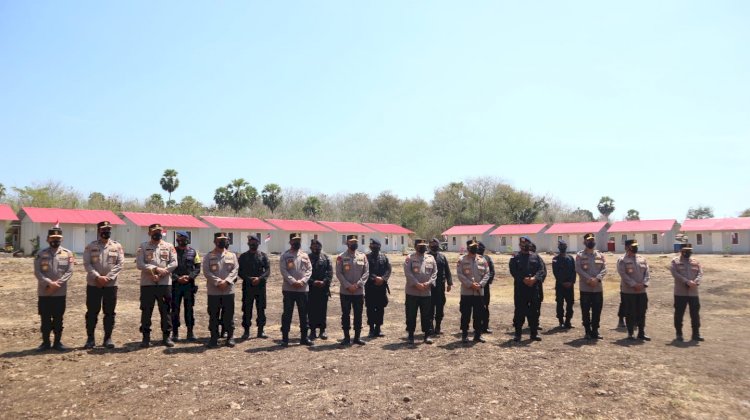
x=572, y=233
x=506, y=237
x=7, y=213
x=457, y=236
x=653, y=236
x=70, y=216
x=237, y=223
x=726, y=235
x=388, y=228
x=166, y=220
x=78, y=226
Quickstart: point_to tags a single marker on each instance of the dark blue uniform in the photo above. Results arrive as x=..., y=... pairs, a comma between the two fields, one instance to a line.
x=254, y=264
x=527, y=299
x=376, y=297
x=188, y=264
x=317, y=304
x=564, y=269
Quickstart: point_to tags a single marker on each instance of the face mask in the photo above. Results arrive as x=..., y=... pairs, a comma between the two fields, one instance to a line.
x=315, y=249
x=473, y=250
x=422, y=249
x=525, y=249
x=434, y=248
x=375, y=249
x=156, y=236
x=223, y=244
x=590, y=245
x=105, y=234
x=634, y=249
x=296, y=245
x=253, y=246
x=353, y=247
x=687, y=254
x=562, y=249
x=55, y=244
x=182, y=243
x=480, y=250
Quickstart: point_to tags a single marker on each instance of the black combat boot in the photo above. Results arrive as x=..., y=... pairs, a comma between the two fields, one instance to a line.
x=411, y=338
x=230, y=339
x=437, y=331
x=378, y=331
x=90, y=342
x=190, y=335
x=285, y=339
x=303, y=339
x=517, y=335
x=261, y=334
x=108, y=343
x=427, y=339
x=146, y=341
x=371, y=334
x=312, y=335
x=245, y=334
x=595, y=335
x=478, y=337
x=678, y=335
x=357, y=340
x=213, y=342
x=464, y=337
x=697, y=335
x=166, y=340
x=347, y=340
x=58, y=345
x=535, y=335
x=642, y=335
x=562, y=324
x=45, y=343
x=175, y=335
x=567, y=324
x=323, y=335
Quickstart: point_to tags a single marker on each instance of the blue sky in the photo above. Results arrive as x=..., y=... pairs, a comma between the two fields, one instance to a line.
x=647, y=102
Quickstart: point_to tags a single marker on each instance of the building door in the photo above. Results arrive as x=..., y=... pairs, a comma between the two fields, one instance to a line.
x=717, y=244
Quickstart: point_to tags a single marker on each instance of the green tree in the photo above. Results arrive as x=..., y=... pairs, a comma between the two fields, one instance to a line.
x=50, y=194
x=97, y=201
x=581, y=215
x=155, y=202
x=237, y=195
x=169, y=182
x=606, y=206
x=414, y=215
x=356, y=207
x=529, y=214
x=450, y=203
x=745, y=213
x=633, y=214
x=272, y=197
x=189, y=205
x=386, y=207
x=2, y=191
x=700, y=212
x=312, y=207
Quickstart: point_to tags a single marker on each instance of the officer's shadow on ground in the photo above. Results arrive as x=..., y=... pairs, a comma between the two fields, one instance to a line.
x=190, y=348
x=274, y=347
x=682, y=344
x=29, y=352
x=555, y=330
x=581, y=341
x=626, y=342
x=125, y=348
x=331, y=345
x=403, y=344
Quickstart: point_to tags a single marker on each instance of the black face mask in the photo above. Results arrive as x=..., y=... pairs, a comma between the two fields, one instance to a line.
x=422, y=249
x=434, y=248
x=253, y=246
x=375, y=249
x=296, y=246
x=182, y=243
x=480, y=250
x=223, y=244
x=687, y=254
x=55, y=244
x=562, y=249
x=474, y=250
x=353, y=247
x=525, y=249
x=156, y=236
x=105, y=234
x=634, y=249
x=590, y=245
x=315, y=249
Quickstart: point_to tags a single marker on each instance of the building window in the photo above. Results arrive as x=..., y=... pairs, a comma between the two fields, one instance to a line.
x=402, y=239
x=559, y=238
x=699, y=239
x=257, y=235
x=343, y=239
x=230, y=238
x=654, y=239
x=454, y=241
x=624, y=238
x=503, y=241
x=386, y=241
x=735, y=238
x=363, y=239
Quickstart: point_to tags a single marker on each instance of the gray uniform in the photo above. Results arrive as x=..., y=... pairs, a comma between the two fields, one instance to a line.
x=103, y=260
x=634, y=271
x=686, y=270
x=295, y=266
x=591, y=266
x=350, y=270
x=220, y=267
x=472, y=270
x=150, y=256
x=419, y=269
x=53, y=265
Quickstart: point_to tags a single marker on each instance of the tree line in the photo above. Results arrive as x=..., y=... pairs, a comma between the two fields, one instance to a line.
x=482, y=200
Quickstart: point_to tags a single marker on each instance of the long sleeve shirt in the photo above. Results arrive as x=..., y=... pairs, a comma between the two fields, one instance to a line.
x=419, y=268
x=103, y=259
x=564, y=269
x=217, y=268
x=443, y=271
x=527, y=265
x=295, y=266
x=254, y=264
x=685, y=270
x=472, y=269
x=591, y=265
x=322, y=270
x=491, y=268
x=352, y=269
x=53, y=265
x=151, y=256
x=188, y=264
x=633, y=271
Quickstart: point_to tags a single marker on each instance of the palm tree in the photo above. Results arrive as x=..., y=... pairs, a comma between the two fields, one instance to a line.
x=169, y=182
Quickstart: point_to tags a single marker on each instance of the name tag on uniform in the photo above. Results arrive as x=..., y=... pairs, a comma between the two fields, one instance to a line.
x=585, y=266
x=214, y=267
x=44, y=265
x=165, y=255
x=347, y=267
x=289, y=263
x=149, y=255
x=94, y=259
x=415, y=268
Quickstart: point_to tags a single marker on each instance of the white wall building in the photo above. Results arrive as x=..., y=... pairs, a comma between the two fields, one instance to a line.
x=505, y=238
x=135, y=230
x=78, y=226
x=457, y=236
x=653, y=236
x=393, y=238
x=238, y=229
x=573, y=234
x=718, y=236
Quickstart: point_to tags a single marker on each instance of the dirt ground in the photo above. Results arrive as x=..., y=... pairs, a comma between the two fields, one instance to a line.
x=563, y=376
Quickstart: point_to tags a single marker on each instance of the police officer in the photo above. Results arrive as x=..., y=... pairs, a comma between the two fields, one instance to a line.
x=183, y=285
x=473, y=273
x=296, y=270
x=687, y=273
x=254, y=271
x=352, y=272
x=564, y=269
x=486, y=298
x=541, y=288
x=528, y=273
x=420, y=270
x=634, y=275
x=53, y=267
x=591, y=266
x=320, y=290
x=103, y=261
x=437, y=297
x=376, y=288
x=220, y=267
x=156, y=259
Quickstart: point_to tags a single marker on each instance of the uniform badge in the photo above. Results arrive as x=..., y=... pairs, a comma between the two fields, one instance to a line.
x=347, y=267
x=214, y=267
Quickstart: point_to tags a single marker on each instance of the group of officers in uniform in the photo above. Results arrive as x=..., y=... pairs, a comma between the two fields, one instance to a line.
x=168, y=275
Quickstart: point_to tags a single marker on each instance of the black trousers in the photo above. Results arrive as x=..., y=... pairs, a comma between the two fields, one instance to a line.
x=564, y=297
x=423, y=304
x=621, y=309
x=183, y=293
x=437, y=304
x=221, y=311
x=162, y=297
x=317, y=307
x=591, y=309
x=250, y=297
x=635, y=305
x=349, y=302
x=376, y=299
x=680, y=303
x=98, y=298
x=472, y=308
x=527, y=306
x=486, y=305
x=51, y=310
x=291, y=299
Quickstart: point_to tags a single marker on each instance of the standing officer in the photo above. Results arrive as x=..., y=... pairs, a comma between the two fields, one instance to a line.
x=634, y=275
x=486, y=298
x=592, y=267
x=473, y=273
x=541, y=288
x=687, y=273
x=420, y=270
x=53, y=267
x=103, y=261
x=352, y=272
x=437, y=297
x=254, y=271
x=156, y=259
x=320, y=290
x=296, y=270
x=564, y=269
x=220, y=268
x=528, y=273
x=376, y=288
x=183, y=285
